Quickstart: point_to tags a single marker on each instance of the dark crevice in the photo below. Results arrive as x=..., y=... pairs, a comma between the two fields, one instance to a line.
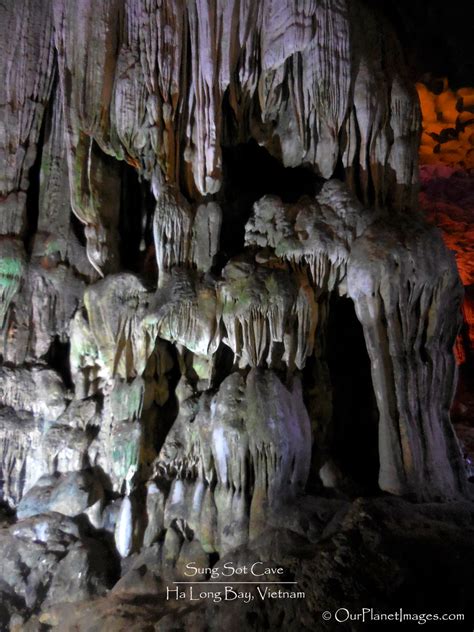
x=213, y=559
x=370, y=197
x=354, y=173
x=78, y=229
x=354, y=428
x=223, y=364
x=58, y=359
x=339, y=170
x=33, y=192
x=135, y=227
x=169, y=411
x=249, y=173
x=130, y=220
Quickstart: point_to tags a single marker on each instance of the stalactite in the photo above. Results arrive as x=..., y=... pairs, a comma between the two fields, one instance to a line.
x=154, y=402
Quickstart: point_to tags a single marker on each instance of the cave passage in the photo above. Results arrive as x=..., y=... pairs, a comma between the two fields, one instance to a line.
x=249, y=173
x=354, y=424
x=136, y=211
x=184, y=362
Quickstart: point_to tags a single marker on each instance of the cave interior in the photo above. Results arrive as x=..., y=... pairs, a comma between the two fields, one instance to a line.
x=236, y=309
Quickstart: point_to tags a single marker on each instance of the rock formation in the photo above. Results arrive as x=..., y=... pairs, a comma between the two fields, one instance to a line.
x=448, y=119
x=446, y=197
x=447, y=157
x=165, y=380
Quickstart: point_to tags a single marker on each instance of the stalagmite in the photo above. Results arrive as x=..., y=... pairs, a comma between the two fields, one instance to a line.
x=408, y=303
x=236, y=458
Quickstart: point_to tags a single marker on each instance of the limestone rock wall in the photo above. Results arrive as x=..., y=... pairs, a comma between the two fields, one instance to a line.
x=148, y=374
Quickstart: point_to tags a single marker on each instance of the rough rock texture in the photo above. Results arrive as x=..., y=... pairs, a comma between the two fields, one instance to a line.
x=235, y=458
x=48, y=559
x=409, y=327
x=69, y=494
x=447, y=158
x=387, y=544
x=447, y=198
x=168, y=362
x=448, y=120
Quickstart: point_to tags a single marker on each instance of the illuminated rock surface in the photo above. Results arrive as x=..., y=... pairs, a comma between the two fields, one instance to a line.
x=447, y=198
x=222, y=314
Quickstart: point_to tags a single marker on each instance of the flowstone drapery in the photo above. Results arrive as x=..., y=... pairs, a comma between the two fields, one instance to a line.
x=155, y=376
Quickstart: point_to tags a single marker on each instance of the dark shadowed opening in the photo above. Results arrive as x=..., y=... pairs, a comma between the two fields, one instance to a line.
x=250, y=172
x=33, y=192
x=355, y=415
x=136, y=211
x=167, y=413
x=58, y=359
x=78, y=229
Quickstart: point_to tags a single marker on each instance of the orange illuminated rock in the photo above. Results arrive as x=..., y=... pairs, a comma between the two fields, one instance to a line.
x=447, y=198
x=446, y=106
x=448, y=126
x=427, y=103
x=466, y=117
x=447, y=185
